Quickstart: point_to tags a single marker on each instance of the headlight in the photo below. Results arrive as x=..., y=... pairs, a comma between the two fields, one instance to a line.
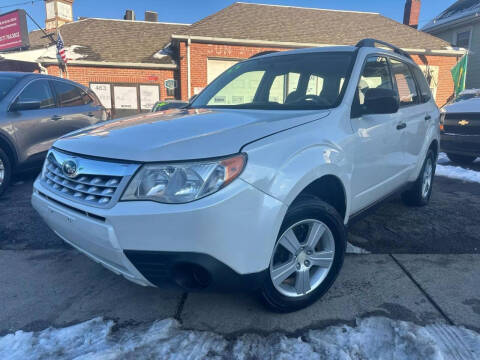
x=183, y=182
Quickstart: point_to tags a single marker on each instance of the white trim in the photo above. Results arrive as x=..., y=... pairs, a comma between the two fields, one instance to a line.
x=446, y=52
x=112, y=64
x=308, y=8
x=134, y=21
x=189, y=78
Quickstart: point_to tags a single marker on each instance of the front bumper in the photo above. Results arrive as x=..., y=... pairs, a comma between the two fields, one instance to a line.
x=468, y=145
x=229, y=233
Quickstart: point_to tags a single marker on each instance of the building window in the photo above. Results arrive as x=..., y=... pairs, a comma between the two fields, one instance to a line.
x=463, y=39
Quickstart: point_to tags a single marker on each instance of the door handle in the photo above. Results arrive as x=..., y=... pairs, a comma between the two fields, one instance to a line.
x=401, y=126
x=91, y=114
x=57, y=117
x=428, y=117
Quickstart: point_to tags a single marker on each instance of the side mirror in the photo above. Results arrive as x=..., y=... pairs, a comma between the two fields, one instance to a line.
x=26, y=105
x=380, y=101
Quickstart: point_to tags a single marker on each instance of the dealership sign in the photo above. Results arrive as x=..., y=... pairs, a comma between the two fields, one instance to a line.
x=13, y=30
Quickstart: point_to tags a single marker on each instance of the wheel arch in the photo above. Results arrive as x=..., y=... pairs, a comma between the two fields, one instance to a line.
x=330, y=189
x=7, y=146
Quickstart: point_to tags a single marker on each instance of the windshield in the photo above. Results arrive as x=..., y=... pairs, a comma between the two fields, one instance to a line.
x=286, y=82
x=6, y=84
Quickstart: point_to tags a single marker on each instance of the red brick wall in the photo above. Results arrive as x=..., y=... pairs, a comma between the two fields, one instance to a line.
x=199, y=54
x=89, y=74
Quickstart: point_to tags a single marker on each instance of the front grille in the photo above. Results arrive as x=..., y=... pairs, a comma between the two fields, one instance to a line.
x=97, y=183
x=462, y=123
x=89, y=188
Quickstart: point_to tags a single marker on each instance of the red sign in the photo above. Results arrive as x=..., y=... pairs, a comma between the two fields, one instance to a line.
x=13, y=30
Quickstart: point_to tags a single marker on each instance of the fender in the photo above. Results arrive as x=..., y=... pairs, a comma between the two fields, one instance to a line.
x=4, y=138
x=282, y=169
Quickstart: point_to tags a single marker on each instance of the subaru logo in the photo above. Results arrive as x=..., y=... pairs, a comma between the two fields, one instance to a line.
x=70, y=168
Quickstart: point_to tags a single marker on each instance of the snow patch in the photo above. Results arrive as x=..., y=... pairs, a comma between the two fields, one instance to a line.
x=352, y=249
x=371, y=338
x=455, y=172
x=72, y=54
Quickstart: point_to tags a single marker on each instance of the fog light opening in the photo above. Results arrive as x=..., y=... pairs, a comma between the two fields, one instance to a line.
x=191, y=276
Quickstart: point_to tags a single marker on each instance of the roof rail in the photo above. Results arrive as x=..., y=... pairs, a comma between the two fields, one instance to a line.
x=372, y=42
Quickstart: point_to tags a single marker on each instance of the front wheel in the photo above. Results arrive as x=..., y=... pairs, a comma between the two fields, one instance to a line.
x=461, y=159
x=421, y=191
x=307, y=257
x=5, y=171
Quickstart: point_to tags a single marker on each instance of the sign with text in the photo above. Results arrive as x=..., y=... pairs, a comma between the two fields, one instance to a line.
x=13, y=30
x=103, y=91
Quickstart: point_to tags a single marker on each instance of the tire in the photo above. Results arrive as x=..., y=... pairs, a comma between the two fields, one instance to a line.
x=5, y=171
x=420, y=193
x=305, y=215
x=461, y=159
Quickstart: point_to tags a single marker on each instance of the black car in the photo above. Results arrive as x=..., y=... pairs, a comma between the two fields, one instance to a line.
x=460, y=128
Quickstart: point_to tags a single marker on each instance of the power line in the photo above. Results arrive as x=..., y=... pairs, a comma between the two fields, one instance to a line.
x=31, y=2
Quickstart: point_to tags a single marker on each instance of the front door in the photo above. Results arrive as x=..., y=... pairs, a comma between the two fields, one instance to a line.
x=378, y=157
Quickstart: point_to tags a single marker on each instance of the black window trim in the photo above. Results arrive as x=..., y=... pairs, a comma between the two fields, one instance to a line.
x=413, y=67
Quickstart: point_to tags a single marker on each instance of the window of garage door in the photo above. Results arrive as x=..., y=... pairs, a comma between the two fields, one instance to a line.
x=217, y=66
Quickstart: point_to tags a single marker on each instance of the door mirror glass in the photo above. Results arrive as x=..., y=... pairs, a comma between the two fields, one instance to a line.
x=380, y=101
x=26, y=105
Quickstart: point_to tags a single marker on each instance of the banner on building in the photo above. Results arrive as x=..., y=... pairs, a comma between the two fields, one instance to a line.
x=13, y=30
x=459, y=74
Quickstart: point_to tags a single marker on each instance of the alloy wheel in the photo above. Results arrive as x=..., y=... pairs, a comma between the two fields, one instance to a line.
x=302, y=258
x=427, y=178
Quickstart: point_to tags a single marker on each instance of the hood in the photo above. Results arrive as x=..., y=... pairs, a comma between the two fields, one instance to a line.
x=183, y=134
x=464, y=106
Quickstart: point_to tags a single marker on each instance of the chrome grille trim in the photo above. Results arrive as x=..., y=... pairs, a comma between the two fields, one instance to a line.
x=96, y=183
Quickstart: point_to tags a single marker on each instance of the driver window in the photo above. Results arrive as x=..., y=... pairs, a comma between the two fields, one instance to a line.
x=282, y=86
x=40, y=91
x=376, y=74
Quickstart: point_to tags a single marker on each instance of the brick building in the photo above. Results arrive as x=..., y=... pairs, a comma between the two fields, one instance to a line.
x=127, y=62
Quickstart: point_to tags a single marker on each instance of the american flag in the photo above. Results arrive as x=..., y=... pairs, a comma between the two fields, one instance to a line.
x=61, y=48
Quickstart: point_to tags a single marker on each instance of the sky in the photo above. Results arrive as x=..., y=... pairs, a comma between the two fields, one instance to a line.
x=189, y=11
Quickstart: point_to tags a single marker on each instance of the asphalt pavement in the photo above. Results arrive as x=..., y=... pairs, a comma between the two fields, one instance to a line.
x=423, y=267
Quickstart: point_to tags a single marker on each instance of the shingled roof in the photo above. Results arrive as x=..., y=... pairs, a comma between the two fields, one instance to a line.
x=275, y=23
x=115, y=40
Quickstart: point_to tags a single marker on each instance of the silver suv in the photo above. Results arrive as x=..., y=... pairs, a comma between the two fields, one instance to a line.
x=35, y=110
x=253, y=183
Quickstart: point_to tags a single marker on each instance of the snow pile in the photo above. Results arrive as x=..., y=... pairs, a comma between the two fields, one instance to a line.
x=372, y=338
x=455, y=172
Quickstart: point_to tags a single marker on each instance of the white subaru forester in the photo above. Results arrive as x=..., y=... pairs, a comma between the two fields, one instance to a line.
x=253, y=183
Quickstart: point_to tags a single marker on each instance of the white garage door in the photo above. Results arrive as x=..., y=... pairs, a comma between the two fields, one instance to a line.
x=216, y=67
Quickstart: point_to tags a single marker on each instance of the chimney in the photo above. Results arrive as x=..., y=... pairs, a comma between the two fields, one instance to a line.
x=129, y=15
x=58, y=12
x=412, y=13
x=151, y=16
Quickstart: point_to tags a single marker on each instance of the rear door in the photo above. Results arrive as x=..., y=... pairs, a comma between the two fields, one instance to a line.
x=414, y=111
x=378, y=157
x=77, y=109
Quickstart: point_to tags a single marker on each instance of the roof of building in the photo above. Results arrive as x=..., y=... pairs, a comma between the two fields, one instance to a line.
x=114, y=40
x=275, y=23
x=461, y=9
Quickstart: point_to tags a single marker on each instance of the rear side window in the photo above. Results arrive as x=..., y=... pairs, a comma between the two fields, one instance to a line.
x=406, y=87
x=68, y=94
x=40, y=91
x=423, y=87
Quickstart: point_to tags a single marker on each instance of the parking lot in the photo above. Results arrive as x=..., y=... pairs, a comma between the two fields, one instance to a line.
x=420, y=265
